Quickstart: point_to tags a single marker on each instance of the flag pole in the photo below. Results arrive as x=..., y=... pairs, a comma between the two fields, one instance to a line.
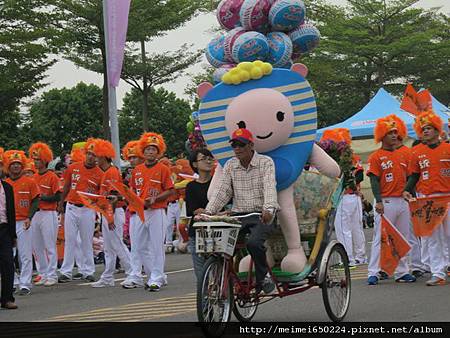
x=112, y=100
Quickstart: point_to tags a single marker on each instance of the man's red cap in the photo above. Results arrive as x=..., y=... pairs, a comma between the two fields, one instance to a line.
x=242, y=135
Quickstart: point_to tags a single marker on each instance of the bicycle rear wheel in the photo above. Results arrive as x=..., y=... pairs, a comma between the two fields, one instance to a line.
x=336, y=286
x=214, y=297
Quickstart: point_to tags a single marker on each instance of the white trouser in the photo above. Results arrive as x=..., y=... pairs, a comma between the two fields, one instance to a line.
x=396, y=210
x=415, y=254
x=173, y=216
x=78, y=221
x=136, y=261
x=436, y=247
x=44, y=226
x=150, y=245
x=24, y=247
x=114, y=246
x=349, y=228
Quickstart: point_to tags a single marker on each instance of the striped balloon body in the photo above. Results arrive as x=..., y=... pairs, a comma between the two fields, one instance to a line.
x=285, y=15
x=280, y=49
x=305, y=38
x=215, y=53
x=289, y=157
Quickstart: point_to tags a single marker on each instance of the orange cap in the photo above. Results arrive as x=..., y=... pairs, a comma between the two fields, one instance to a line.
x=40, y=151
x=386, y=124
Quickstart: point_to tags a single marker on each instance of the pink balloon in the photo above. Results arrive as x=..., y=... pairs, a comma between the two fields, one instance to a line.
x=228, y=13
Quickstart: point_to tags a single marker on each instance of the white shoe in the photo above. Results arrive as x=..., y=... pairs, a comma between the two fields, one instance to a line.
x=50, y=282
x=131, y=285
x=101, y=284
x=42, y=281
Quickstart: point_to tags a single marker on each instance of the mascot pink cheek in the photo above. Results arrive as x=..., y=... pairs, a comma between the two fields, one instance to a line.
x=267, y=113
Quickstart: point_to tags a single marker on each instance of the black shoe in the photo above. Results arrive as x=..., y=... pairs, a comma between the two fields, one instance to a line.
x=383, y=275
x=417, y=273
x=78, y=275
x=24, y=292
x=89, y=278
x=267, y=286
x=64, y=279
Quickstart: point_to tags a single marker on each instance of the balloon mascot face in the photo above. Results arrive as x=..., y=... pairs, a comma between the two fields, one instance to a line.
x=278, y=108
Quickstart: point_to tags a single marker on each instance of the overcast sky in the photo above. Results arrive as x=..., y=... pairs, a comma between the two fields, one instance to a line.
x=197, y=31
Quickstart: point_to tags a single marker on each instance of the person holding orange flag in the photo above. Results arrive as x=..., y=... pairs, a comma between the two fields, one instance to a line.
x=112, y=232
x=157, y=187
x=79, y=220
x=387, y=170
x=430, y=176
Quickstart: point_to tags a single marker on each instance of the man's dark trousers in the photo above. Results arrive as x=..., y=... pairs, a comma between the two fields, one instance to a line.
x=6, y=265
x=259, y=233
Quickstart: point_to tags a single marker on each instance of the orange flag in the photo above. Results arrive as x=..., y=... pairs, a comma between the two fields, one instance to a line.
x=98, y=203
x=393, y=246
x=133, y=200
x=427, y=213
x=424, y=101
x=409, y=100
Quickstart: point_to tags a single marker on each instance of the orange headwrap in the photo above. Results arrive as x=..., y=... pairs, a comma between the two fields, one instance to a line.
x=386, y=124
x=1, y=154
x=337, y=135
x=427, y=118
x=11, y=156
x=29, y=165
x=78, y=155
x=152, y=139
x=41, y=151
x=104, y=148
x=90, y=145
x=131, y=149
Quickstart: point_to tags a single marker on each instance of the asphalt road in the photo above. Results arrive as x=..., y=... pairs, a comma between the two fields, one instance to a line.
x=78, y=301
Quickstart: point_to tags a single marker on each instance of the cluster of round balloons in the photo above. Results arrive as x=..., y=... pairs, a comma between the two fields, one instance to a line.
x=274, y=31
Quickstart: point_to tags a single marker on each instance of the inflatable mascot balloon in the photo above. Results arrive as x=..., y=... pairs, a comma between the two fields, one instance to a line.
x=278, y=107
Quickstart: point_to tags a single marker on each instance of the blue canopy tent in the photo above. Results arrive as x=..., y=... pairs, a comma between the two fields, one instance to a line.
x=362, y=123
x=382, y=104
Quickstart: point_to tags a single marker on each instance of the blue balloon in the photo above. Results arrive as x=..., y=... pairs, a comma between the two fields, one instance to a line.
x=250, y=46
x=215, y=52
x=285, y=15
x=280, y=49
x=305, y=38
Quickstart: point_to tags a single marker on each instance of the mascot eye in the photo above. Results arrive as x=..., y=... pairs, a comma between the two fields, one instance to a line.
x=241, y=124
x=280, y=116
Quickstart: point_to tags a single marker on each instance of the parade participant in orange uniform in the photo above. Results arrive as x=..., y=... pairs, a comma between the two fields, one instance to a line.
x=113, y=244
x=157, y=186
x=418, y=262
x=348, y=221
x=132, y=154
x=79, y=220
x=45, y=221
x=388, y=172
x=26, y=201
x=430, y=176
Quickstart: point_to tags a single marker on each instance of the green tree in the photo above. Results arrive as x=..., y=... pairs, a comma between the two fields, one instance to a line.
x=374, y=43
x=26, y=30
x=61, y=117
x=9, y=126
x=168, y=116
x=83, y=36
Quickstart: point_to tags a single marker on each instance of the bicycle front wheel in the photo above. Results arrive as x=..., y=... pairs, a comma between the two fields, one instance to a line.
x=214, y=297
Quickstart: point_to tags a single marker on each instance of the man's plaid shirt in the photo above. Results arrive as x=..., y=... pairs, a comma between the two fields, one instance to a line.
x=252, y=189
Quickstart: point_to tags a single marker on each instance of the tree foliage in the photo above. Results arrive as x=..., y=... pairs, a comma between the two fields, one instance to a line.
x=26, y=30
x=375, y=43
x=168, y=116
x=61, y=117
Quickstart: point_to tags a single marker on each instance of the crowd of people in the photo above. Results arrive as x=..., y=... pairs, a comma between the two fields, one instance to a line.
x=397, y=174
x=35, y=200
